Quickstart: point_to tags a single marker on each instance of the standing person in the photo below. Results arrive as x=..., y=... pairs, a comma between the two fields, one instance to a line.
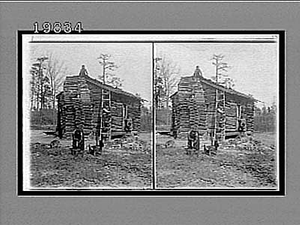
x=78, y=140
x=197, y=72
x=83, y=71
x=193, y=142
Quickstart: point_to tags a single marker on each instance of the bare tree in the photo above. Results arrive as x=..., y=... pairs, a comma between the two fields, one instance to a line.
x=34, y=84
x=109, y=66
x=221, y=76
x=56, y=71
x=114, y=81
x=38, y=81
x=167, y=76
x=34, y=88
x=46, y=93
x=158, y=83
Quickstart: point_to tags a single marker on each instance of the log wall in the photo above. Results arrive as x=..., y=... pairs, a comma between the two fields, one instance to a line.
x=194, y=108
x=80, y=105
x=247, y=112
x=133, y=106
x=189, y=108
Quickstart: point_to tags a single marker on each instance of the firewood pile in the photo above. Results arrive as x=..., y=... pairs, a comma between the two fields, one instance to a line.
x=128, y=143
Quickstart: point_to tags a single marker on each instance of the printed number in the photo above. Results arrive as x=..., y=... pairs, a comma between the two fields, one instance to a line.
x=67, y=27
x=36, y=27
x=57, y=27
x=46, y=27
x=78, y=27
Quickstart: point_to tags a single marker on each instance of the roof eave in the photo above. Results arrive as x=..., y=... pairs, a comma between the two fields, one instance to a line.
x=228, y=90
x=100, y=84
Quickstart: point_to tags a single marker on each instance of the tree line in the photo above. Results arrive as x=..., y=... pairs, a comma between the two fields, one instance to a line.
x=47, y=74
x=265, y=118
x=47, y=77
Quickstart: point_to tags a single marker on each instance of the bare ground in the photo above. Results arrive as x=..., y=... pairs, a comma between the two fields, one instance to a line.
x=233, y=167
x=119, y=168
x=122, y=168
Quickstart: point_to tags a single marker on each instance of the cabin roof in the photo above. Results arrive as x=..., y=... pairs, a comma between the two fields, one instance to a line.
x=106, y=86
x=213, y=84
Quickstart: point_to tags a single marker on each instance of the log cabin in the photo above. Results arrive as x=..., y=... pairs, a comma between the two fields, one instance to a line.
x=194, y=107
x=96, y=108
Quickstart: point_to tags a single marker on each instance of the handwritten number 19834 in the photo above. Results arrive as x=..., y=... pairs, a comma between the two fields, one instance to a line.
x=57, y=27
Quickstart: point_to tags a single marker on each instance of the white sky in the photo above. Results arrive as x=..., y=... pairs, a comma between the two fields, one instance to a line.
x=254, y=65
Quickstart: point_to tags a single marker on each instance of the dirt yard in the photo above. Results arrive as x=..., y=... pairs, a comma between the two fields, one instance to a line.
x=246, y=163
x=114, y=168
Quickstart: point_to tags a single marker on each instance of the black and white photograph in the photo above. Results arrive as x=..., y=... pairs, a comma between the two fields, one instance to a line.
x=217, y=101
x=86, y=112
x=157, y=111
x=149, y=112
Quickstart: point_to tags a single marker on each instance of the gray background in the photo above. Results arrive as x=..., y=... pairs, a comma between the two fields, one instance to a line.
x=133, y=210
